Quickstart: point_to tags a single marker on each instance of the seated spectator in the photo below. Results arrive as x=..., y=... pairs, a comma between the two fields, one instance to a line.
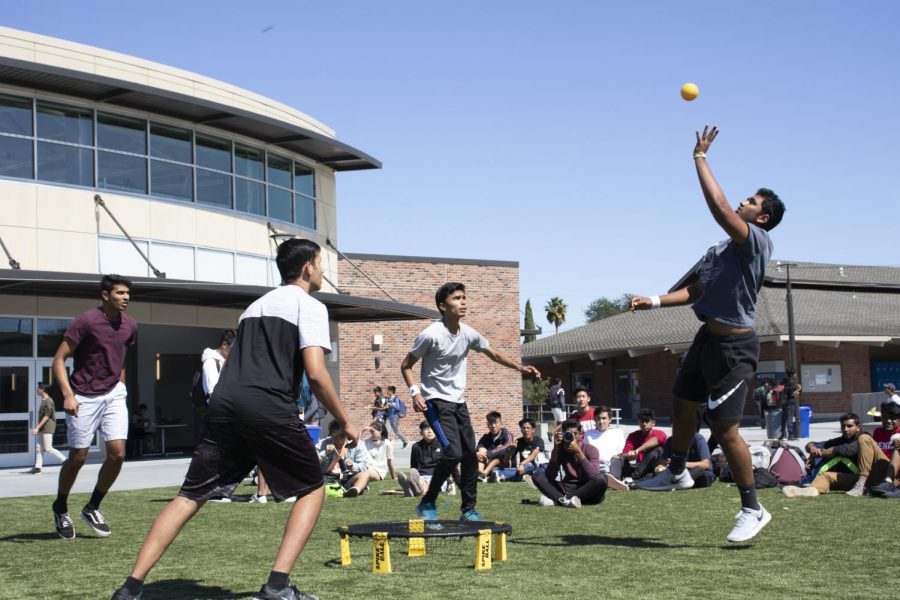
x=573, y=476
x=346, y=467
x=888, y=439
x=866, y=462
x=423, y=459
x=379, y=452
x=609, y=442
x=584, y=412
x=643, y=450
x=142, y=431
x=528, y=455
x=494, y=447
x=698, y=467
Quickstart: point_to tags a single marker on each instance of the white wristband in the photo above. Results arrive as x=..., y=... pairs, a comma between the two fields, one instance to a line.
x=655, y=302
x=414, y=391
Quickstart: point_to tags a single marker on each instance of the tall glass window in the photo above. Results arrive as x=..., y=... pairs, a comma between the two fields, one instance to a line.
x=214, y=187
x=304, y=197
x=280, y=197
x=171, y=179
x=70, y=162
x=16, y=157
x=249, y=193
x=50, y=334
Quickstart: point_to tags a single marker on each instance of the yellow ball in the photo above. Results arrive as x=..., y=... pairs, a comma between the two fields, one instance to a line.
x=689, y=91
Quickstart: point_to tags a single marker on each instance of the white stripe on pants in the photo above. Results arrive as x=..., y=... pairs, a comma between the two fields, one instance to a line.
x=45, y=444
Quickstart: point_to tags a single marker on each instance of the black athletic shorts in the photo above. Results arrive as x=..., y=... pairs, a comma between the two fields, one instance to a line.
x=718, y=370
x=228, y=451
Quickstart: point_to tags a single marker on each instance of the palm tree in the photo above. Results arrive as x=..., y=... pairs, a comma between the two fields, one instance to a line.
x=556, y=312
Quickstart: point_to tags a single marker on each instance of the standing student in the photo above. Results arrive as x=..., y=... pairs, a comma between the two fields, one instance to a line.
x=392, y=414
x=214, y=359
x=722, y=359
x=94, y=398
x=44, y=430
x=443, y=347
x=252, y=420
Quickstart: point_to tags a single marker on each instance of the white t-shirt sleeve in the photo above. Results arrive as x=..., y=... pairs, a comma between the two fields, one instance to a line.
x=210, y=375
x=389, y=450
x=422, y=345
x=477, y=341
x=313, y=325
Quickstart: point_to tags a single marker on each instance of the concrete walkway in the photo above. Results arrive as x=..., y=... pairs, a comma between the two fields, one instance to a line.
x=166, y=472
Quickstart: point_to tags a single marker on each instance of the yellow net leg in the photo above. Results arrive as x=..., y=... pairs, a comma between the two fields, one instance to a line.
x=381, y=553
x=345, y=551
x=483, y=550
x=500, y=546
x=416, y=544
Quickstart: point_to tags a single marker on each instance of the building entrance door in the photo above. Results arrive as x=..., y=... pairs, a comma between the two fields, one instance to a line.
x=17, y=390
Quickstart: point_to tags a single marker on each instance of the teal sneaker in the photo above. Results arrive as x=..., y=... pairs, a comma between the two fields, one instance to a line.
x=427, y=511
x=470, y=515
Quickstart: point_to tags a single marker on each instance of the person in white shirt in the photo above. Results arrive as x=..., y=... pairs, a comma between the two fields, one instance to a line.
x=214, y=359
x=609, y=442
x=380, y=453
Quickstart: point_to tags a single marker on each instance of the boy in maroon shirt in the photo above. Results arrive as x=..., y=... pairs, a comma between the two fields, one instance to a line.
x=94, y=398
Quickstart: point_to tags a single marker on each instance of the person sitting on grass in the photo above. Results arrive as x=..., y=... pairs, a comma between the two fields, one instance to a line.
x=609, y=442
x=494, y=446
x=345, y=467
x=423, y=459
x=528, y=454
x=643, y=448
x=573, y=476
x=698, y=464
x=888, y=439
x=864, y=460
x=379, y=452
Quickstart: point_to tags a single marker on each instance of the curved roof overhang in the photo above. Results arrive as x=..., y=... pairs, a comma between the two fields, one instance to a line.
x=118, y=92
x=341, y=307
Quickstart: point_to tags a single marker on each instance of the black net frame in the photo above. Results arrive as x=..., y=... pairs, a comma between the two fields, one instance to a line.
x=433, y=529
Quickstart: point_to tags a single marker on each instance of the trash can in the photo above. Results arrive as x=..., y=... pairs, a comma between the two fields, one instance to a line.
x=805, y=418
x=773, y=423
x=314, y=432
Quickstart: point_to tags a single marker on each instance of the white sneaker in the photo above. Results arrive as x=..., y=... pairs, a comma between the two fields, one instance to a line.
x=257, y=499
x=858, y=490
x=570, y=501
x=290, y=500
x=665, y=480
x=748, y=523
x=222, y=500
x=530, y=481
x=614, y=484
x=495, y=477
x=791, y=491
x=545, y=501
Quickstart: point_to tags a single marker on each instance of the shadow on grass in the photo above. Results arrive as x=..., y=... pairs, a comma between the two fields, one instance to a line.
x=598, y=540
x=38, y=537
x=187, y=588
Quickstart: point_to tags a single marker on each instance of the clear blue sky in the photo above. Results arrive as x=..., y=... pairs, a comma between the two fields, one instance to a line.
x=552, y=133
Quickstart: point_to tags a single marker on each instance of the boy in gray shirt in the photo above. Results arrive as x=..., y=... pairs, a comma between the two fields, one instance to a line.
x=443, y=347
x=720, y=363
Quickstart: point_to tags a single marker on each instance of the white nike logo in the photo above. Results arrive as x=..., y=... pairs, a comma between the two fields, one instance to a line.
x=714, y=404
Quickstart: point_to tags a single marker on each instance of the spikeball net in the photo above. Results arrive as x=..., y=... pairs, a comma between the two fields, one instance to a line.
x=420, y=537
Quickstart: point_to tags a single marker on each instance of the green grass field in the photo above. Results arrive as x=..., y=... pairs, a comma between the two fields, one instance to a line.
x=634, y=545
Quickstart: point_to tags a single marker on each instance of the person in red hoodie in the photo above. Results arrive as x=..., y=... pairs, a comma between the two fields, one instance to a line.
x=643, y=450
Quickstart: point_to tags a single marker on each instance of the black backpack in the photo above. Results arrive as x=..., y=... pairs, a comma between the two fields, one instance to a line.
x=199, y=398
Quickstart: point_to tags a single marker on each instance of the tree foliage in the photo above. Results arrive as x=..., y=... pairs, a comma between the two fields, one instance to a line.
x=529, y=322
x=535, y=392
x=556, y=312
x=604, y=307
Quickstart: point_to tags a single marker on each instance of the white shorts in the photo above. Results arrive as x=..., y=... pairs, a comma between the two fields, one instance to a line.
x=559, y=415
x=107, y=412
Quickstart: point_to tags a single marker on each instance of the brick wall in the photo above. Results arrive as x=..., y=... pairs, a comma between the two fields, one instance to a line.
x=492, y=292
